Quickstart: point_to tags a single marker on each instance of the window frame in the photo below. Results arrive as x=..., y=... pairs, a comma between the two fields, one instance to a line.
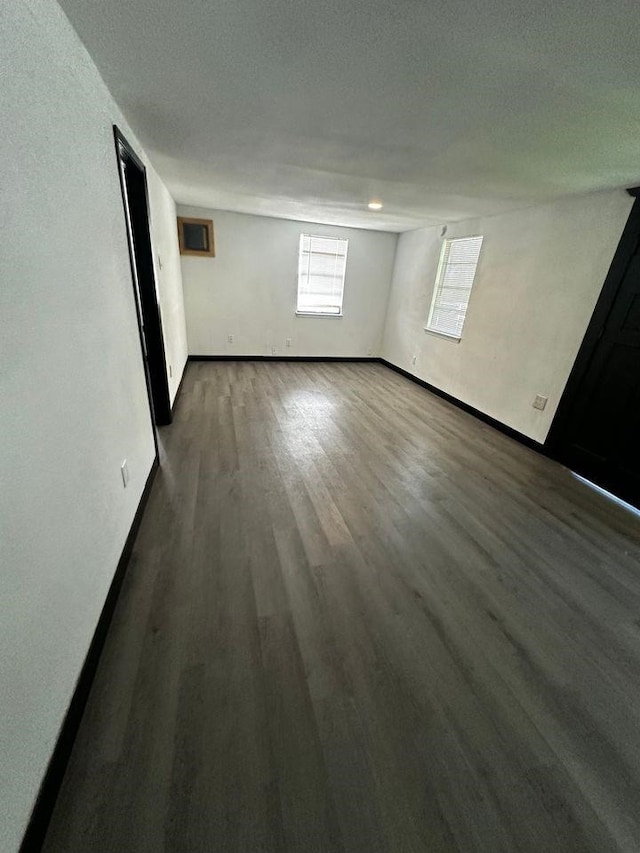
x=437, y=286
x=321, y=314
x=207, y=225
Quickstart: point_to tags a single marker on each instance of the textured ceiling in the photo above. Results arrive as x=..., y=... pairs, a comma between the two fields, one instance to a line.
x=310, y=109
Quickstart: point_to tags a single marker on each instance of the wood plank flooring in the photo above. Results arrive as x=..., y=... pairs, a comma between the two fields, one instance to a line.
x=358, y=619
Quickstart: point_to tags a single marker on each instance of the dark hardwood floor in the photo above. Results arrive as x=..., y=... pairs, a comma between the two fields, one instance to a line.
x=358, y=619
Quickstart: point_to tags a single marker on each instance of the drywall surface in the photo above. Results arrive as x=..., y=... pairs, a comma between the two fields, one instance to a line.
x=538, y=279
x=74, y=402
x=249, y=290
x=168, y=278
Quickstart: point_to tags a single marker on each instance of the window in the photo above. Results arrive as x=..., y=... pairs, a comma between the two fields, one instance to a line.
x=195, y=237
x=456, y=271
x=322, y=262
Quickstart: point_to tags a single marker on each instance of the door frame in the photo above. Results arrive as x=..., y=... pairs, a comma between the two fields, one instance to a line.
x=143, y=281
x=595, y=330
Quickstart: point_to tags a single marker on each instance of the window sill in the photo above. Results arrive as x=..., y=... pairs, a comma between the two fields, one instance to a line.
x=453, y=338
x=315, y=314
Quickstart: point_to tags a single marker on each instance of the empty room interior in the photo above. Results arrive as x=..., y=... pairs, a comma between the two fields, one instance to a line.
x=320, y=425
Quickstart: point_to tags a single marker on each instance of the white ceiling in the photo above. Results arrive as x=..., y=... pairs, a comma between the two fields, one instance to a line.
x=310, y=108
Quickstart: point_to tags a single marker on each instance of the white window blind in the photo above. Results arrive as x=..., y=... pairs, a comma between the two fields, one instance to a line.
x=456, y=271
x=322, y=262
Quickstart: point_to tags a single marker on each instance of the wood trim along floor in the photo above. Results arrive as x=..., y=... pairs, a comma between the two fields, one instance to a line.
x=512, y=433
x=345, y=358
x=487, y=419
x=50, y=787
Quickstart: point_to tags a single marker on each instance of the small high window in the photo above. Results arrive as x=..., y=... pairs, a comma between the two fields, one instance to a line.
x=195, y=237
x=322, y=263
x=456, y=272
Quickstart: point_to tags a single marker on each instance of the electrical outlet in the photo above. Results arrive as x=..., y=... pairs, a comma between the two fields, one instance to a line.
x=288, y=342
x=124, y=470
x=414, y=359
x=540, y=402
x=229, y=339
x=273, y=350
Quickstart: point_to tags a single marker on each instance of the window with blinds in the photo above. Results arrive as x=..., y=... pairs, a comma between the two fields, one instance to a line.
x=322, y=262
x=456, y=271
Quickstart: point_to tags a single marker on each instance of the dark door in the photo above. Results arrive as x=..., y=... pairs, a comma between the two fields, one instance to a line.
x=597, y=429
x=133, y=181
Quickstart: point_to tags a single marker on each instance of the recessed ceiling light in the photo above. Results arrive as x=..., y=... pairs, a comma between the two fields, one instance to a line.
x=375, y=205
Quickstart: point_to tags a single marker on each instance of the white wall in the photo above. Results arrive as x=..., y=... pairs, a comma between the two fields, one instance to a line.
x=539, y=276
x=74, y=402
x=249, y=290
x=164, y=235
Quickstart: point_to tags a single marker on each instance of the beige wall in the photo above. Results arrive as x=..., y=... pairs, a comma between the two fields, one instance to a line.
x=539, y=276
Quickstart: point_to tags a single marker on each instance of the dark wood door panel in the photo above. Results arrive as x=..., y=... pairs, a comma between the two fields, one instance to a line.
x=597, y=429
x=599, y=424
x=632, y=319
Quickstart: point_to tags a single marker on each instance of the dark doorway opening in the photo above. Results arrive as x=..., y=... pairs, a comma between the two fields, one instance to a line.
x=596, y=431
x=133, y=182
